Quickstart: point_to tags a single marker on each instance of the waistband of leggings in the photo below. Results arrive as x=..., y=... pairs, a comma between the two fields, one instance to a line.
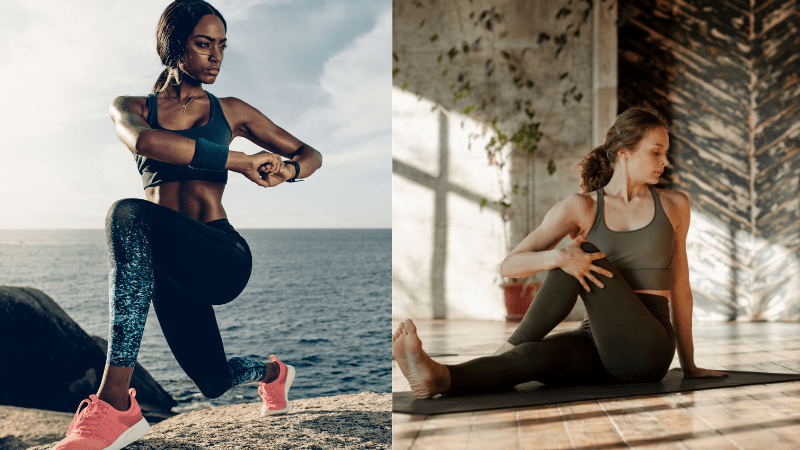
x=222, y=225
x=226, y=227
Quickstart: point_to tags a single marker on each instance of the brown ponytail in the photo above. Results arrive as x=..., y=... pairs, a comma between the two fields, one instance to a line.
x=630, y=127
x=161, y=80
x=596, y=169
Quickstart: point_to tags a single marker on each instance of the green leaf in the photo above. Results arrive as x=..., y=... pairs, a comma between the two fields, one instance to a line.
x=404, y=86
x=483, y=202
x=394, y=55
x=394, y=72
x=434, y=38
x=467, y=109
x=551, y=167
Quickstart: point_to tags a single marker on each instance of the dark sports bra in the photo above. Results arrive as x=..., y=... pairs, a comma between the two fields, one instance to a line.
x=217, y=130
x=644, y=256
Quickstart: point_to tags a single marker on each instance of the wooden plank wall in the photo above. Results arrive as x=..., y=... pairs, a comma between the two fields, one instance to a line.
x=727, y=75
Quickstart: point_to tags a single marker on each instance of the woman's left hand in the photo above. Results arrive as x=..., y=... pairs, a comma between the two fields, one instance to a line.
x=275, y=177
x=698, y=372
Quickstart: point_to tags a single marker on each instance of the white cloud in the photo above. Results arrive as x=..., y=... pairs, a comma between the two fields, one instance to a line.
x=357, y=107
x=64, y=62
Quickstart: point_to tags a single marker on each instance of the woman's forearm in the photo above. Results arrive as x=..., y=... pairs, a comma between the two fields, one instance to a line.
x=164, y=146
x=682, y=322
x=523, y=264
x=169, y=147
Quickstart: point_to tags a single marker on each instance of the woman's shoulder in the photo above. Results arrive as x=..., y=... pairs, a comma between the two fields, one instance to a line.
x=675, y=205
x=675, y=198
x=580, y=203
x=235, y=108
x=233, y=103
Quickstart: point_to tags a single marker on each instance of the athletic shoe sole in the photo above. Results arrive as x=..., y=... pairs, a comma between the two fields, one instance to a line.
x=131, y=435
x=289, y=379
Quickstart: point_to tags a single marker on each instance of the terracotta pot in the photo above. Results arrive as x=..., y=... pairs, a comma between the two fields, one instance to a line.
x=518, y=299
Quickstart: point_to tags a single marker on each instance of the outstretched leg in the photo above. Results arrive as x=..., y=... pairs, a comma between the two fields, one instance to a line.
x=426, y=377
x=630, y=335
x=563, y=358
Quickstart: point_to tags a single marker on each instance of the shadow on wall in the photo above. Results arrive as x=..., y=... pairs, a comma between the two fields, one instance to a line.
x=438, y=207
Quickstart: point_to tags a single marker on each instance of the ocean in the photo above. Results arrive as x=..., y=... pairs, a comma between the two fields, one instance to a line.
x=319, y=300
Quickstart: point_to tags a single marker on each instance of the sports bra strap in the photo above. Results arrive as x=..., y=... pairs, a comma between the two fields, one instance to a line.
x=598, y=215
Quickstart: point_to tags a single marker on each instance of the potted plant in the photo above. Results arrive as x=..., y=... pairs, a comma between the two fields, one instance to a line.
x=519, y=294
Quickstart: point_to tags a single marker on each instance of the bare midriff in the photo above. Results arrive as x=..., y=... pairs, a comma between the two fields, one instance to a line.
x=664, y=293
x=199, y=199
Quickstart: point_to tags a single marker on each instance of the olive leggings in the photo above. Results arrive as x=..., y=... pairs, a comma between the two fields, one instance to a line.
x=626, y=337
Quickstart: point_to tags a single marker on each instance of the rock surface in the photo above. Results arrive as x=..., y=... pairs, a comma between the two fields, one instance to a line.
x=49, y=362
x=21, y=428
x=358, y=421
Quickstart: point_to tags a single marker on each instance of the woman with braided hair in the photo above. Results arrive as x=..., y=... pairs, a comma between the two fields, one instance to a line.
x=627, y=262
x=177, y=248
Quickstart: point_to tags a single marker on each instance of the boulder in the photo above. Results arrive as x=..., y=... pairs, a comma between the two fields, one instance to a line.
x=356, y=421
x=48, y=362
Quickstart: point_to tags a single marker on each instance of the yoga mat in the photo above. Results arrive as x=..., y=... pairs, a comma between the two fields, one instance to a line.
x=534, y=393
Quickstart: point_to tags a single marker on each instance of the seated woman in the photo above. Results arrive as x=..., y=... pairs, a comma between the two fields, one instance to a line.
x=627, y=261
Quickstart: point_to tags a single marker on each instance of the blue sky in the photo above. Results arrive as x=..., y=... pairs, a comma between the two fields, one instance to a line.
x=321, y=69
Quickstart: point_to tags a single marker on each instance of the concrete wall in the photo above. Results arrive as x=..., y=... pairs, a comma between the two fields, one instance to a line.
x=503, y=58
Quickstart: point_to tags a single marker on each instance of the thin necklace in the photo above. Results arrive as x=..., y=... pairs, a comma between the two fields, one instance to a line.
x=183, y=108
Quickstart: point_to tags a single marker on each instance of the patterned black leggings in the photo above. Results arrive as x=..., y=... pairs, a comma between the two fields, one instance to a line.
x=184, y=267
x=626, y=337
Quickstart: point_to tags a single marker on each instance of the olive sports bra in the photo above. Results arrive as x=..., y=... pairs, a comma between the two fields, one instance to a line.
x=217, y=130
x=644, y=256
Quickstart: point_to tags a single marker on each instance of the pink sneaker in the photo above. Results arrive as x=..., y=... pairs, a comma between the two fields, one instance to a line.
x=98, y=426
x=276, y=393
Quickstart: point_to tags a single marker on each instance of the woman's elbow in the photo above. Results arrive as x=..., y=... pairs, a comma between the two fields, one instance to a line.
x=504, y=270
x=318, y=158
x=138, y=145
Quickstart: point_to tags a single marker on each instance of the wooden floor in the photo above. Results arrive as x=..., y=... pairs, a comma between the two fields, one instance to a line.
x=747, y=417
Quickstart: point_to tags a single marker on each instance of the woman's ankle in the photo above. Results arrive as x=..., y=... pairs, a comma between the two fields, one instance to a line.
x=273, y=372
x=120, y=402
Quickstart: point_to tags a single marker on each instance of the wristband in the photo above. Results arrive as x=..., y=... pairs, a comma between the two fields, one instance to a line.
x=296, y=171
x=209, y=156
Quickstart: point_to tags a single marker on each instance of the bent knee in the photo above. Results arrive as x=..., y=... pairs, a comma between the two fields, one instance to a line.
x=213, y=389
x=125, y=211
x=588, y=247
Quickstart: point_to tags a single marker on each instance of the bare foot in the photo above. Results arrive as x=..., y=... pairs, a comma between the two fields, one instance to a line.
x=426, y=377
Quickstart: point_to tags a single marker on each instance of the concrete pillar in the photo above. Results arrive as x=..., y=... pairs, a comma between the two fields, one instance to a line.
x=604, y=69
